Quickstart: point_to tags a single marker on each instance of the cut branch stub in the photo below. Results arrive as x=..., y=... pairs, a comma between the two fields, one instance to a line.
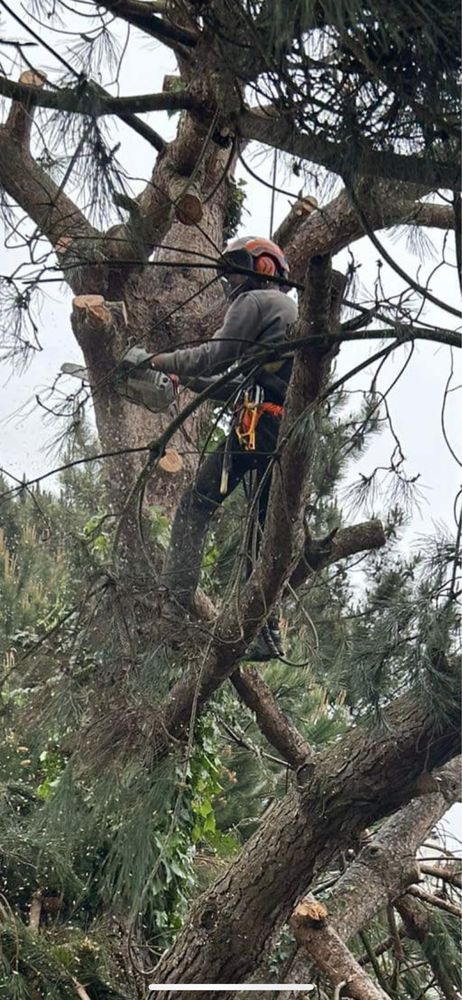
x=171, y=461
x=19, y=121
x=95, y=308
x=313, y=932
x=95, y=315
x=35, y=911
x=187, y=200
x=303, y=207
x=309, y=912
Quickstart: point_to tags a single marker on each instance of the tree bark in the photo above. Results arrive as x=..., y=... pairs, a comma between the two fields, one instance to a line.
x=416, y=921
x=384, y=868
x=370, y=773
x=331, y=955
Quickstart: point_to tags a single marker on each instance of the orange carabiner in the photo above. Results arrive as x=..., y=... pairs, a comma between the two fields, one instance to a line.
x=246, y=425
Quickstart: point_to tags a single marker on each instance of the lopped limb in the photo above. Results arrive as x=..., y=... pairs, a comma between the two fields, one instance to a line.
x=100, y=328
x=89, y=98
x=340, y=544
x=332, y=227
x=384, y=868
x=303, y=207
x=54, y=213
x=19, y=121
x=313, y=933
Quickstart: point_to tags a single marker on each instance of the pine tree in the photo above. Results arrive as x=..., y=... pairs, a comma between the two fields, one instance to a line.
x=164, y=805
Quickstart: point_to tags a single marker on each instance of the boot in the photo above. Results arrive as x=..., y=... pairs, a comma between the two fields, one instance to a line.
x=268, y=645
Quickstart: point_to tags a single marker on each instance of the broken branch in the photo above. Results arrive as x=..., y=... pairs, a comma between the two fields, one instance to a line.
x=330, y=953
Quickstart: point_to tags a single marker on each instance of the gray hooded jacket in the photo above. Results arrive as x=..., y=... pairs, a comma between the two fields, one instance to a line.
x=255, y=318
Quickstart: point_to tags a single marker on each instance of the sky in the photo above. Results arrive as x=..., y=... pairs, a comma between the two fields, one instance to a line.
x=415, y=402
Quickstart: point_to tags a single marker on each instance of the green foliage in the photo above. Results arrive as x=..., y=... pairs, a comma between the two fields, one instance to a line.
x=90, y=819
x=235, y=207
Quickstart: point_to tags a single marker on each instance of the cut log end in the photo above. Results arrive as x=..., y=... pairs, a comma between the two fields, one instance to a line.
x=188, y=209
x=309, y=912
x=19, y=121
x=94, y=307
x=171, y=461
x=305, y=205
x=33, y=78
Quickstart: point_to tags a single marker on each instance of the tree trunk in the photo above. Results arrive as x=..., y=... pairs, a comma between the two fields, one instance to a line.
x=385, y=866
x=347, y=787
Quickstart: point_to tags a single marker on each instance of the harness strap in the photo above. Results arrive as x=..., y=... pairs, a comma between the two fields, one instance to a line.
x=248, y=418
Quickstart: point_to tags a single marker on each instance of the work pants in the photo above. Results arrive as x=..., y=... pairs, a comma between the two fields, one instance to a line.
x=180, y=575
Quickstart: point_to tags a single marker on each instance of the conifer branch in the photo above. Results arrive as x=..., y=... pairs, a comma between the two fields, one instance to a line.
x=273, y=129
x=144, y=17
x=367, y=774
x=330, y=228
x=315, y=935
x=28, y=184
x=88, y=98
x=344, y=542
x=433, y=900
x=275, y=726
x=443, y=872
x=384, y=868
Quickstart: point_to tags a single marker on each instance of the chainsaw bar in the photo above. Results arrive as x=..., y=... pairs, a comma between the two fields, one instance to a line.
x=140, y=385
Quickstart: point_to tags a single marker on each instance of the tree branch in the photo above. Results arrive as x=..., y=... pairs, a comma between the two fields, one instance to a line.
x=141, y=16
x=432, y=900
x=88, y=98
x=386, y=865
x=339, y=545
x=19, y=121
x=54, y=213
x=275, y=726
x=332, y=227
x=443, y=872
x=369, y=773
x=332, y=957
x=272, y=129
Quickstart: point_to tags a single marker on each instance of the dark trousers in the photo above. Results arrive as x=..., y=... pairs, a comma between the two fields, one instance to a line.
x=198, y=504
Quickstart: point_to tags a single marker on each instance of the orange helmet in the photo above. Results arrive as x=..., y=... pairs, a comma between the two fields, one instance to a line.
x=259, y=255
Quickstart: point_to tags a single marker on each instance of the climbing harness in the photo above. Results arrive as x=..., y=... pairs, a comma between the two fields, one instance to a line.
x=249, y=409
x=249, y=412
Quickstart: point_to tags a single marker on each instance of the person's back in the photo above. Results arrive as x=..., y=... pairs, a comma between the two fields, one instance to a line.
x=259, y=317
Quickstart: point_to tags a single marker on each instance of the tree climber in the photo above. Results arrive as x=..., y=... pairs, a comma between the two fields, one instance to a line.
x=259, y=315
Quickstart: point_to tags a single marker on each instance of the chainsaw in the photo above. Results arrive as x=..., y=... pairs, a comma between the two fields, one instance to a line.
x=135, y=380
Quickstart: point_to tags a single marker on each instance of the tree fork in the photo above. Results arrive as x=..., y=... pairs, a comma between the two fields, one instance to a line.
x=385, y=866
x=370, y=773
